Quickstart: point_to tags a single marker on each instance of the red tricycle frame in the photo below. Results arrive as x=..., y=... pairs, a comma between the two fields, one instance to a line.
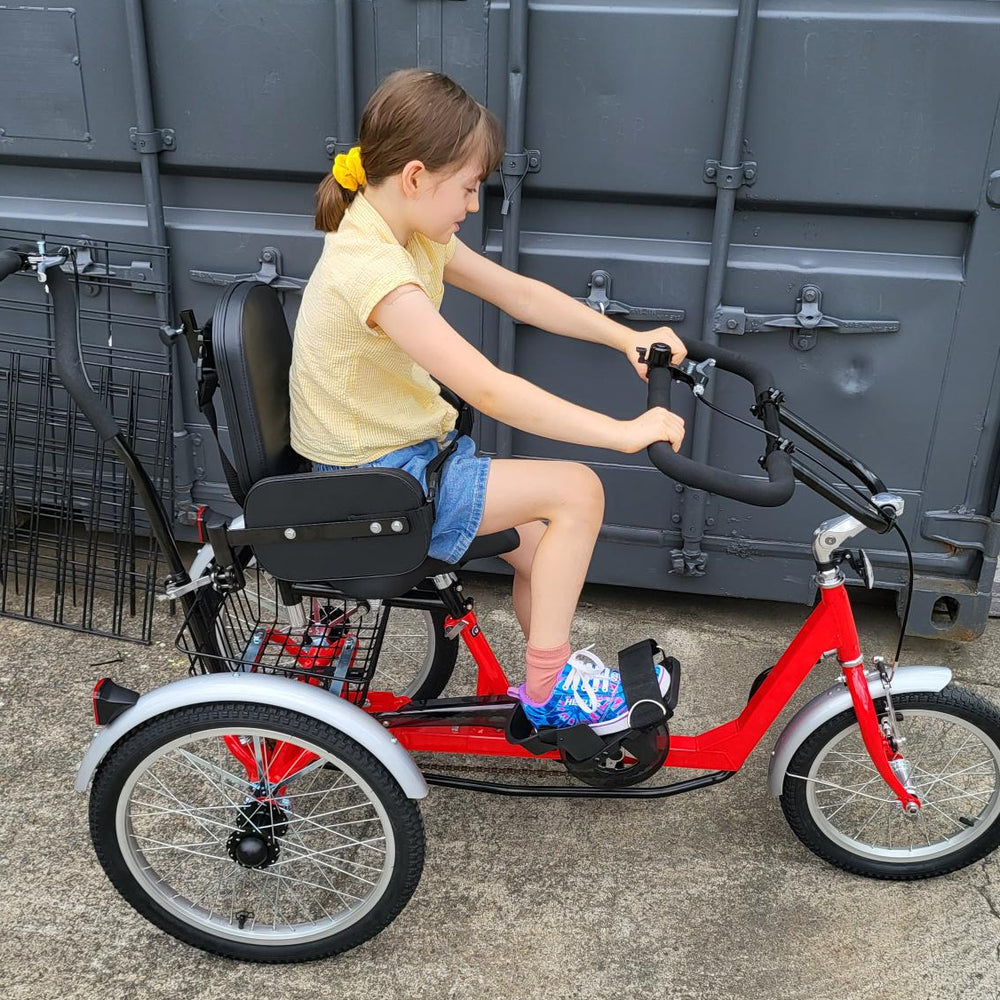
x=830, y=629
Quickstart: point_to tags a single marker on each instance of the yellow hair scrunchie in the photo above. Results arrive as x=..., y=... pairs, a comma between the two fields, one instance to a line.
x=347, y=169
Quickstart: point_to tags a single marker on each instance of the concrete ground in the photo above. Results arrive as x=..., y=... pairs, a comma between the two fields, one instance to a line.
x=706, y=895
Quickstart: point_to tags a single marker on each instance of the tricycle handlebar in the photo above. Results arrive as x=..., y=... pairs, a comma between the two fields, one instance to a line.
x=781, y=481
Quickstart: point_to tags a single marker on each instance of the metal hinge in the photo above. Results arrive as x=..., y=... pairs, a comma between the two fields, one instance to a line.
x=136, y=275
x=269, y=274
x=730, y=177
x=802, y=326
x=517, y=165
x=152, y=142
x=600, y=300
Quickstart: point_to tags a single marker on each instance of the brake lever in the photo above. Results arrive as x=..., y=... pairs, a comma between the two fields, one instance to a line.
x=691, y=374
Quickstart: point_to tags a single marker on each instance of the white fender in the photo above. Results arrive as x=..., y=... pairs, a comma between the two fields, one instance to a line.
x=837, y=699
x=259, y=689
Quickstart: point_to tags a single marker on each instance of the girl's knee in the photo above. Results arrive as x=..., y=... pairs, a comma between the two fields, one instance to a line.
x=585, y=489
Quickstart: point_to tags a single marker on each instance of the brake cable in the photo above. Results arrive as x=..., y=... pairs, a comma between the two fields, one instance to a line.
x=867, y=500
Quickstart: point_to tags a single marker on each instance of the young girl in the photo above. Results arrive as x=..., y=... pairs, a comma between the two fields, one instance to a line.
x=369, y=337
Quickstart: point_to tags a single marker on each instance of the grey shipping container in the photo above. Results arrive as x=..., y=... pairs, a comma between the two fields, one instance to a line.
x=745, y=173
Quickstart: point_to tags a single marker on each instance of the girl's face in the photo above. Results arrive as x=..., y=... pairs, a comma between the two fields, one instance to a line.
x=448, y=202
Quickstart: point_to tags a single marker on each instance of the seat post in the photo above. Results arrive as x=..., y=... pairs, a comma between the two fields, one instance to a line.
x=450, y=588
x=292, y=603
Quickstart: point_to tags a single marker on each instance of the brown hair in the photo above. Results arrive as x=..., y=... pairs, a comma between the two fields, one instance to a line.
x=415, y=115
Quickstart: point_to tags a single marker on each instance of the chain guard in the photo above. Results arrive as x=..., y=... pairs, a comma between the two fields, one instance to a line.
x=635, y=758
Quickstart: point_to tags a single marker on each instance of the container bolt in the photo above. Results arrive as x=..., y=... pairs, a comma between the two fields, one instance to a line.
x=375, y=527
x=710, y=171
x=710, y=521
x=290, y=533
x=533, y=161
x=76, y=60
x=598, y=281
x=678, y=488
x=268, y=255
x=676, y=518
x=731, y=324
x=809, y=295
x=87, y=137
x=750, y=173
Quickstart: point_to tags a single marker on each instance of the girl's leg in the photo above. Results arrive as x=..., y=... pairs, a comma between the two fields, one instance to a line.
x=570, y=497
x=521, y=559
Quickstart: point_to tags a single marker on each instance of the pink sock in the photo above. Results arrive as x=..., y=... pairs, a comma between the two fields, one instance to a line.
x=543, y=666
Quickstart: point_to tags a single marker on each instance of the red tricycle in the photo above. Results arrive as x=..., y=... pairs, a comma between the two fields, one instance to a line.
x=266, y=807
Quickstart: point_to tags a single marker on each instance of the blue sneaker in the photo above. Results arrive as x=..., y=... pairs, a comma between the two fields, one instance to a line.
x=586, y=691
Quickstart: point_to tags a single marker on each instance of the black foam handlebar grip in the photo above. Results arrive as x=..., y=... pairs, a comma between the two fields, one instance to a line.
x=68, y=363
x=10, y=262
x=781, y=480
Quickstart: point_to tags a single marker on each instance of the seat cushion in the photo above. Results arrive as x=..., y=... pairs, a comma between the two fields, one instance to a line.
x=482, y=547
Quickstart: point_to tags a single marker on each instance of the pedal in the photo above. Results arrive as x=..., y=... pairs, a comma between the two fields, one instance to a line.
x=579, y=742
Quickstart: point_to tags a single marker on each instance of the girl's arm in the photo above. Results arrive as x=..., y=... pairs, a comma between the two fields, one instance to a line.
x=540, y=305
x=410, y=320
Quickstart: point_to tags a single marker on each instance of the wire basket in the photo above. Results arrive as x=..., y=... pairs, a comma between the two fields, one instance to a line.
x=76, y=550
x=249, y=632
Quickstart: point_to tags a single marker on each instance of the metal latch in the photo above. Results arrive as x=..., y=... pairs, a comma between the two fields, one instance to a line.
x=136, y=275
x=803, y=326
x=517, y=165
x=600, y=300
x=269, y=274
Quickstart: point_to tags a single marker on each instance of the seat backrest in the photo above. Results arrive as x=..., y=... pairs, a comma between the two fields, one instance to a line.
x=253, y=353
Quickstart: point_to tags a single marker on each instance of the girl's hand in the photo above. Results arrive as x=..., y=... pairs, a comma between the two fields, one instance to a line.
x=645, y=338
x=657, y=424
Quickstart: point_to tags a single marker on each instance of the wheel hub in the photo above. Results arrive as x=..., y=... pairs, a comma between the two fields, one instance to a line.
x=251, y=849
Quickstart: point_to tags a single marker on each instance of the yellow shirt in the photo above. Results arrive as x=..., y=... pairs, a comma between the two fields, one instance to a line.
x=355, y=396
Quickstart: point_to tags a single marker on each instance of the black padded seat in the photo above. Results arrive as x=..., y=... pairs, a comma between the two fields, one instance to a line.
x=253, y=355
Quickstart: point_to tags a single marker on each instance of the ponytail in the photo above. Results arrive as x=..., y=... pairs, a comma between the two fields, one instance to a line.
x=331, y=204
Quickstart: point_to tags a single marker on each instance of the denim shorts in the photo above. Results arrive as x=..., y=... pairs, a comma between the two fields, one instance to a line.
x=461, y=496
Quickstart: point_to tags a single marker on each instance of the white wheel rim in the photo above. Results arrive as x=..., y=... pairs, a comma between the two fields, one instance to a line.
x=335, y=860
x=956, y=774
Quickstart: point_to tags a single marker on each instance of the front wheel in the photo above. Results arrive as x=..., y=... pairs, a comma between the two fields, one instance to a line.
x=839, y=806
x=305, y=847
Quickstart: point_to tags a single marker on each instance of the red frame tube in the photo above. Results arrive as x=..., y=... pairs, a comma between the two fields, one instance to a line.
x=830, y=628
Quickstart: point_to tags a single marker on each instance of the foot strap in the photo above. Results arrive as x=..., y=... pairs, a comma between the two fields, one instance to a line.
x=642, y=690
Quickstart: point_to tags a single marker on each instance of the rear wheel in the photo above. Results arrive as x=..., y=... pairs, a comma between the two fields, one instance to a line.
x=297, y=866
x=841, y=808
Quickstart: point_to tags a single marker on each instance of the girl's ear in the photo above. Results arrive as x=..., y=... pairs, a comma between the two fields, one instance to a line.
x=413, y=178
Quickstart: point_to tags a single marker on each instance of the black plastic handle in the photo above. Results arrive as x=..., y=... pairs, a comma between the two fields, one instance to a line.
x=68, y=363
x=10, y=263
x=781, y=481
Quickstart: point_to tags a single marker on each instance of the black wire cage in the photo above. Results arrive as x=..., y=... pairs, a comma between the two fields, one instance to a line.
x=75, y=545
x=334, y=643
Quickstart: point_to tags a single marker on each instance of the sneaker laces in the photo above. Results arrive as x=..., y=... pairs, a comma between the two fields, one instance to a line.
x=587, y=676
